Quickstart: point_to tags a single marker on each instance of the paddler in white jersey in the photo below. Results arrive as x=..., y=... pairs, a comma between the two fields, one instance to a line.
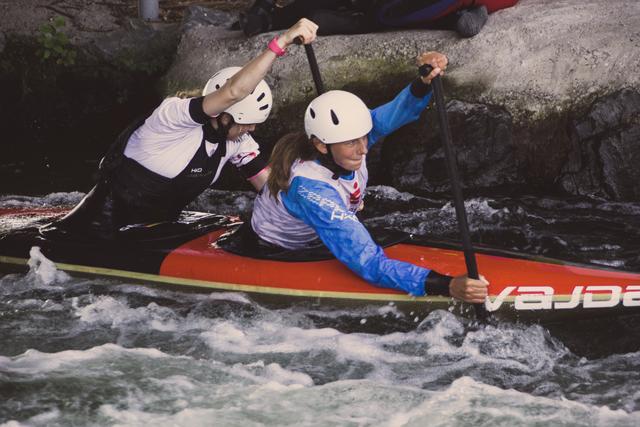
x=163, y=162
x=317, y=183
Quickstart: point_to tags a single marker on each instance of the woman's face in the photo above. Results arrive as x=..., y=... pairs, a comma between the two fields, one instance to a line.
x=349, y=154
x=237, y=130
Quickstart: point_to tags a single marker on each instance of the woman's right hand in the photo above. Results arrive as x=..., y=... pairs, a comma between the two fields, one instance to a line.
x=304, y=28
x=469, y=290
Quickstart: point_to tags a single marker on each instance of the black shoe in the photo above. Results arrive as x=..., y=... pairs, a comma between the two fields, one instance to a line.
x=470, y=21
x=258, y=18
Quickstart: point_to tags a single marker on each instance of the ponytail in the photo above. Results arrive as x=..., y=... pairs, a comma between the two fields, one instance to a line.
x=290, y=147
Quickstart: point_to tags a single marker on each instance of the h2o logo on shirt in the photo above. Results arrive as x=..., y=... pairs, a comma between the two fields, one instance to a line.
x=199, y=172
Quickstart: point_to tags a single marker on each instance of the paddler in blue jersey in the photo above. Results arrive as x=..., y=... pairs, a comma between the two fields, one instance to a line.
x=317, y=184
x=162, y=162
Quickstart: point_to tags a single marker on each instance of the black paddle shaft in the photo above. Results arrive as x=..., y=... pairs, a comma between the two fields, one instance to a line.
x=458, y=200
x=313, y=64
x=315, y=71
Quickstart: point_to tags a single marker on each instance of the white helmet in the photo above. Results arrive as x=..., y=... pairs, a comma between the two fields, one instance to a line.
x=337, y=116
x=254, y=108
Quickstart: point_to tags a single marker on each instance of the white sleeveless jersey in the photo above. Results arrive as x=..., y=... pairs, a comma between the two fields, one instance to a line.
x=169, y=138
x=272, y=221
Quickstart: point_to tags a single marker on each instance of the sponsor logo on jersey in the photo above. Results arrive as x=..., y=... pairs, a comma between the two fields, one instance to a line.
x=337, y=212
x=354, y=197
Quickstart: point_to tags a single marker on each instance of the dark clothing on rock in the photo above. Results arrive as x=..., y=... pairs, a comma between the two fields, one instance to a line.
x=355, y=17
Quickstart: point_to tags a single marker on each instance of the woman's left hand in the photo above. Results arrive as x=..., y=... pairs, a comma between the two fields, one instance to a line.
x=438, y=62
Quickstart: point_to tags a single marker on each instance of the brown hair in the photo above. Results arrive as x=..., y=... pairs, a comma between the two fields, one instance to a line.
x=290, y=147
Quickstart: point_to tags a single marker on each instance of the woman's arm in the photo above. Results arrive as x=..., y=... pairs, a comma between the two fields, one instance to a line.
x=245, y=81
x=407, y=106
x=319, y=206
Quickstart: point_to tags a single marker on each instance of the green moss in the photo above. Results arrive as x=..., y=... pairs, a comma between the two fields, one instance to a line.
x=131, y=60
x=54, y=46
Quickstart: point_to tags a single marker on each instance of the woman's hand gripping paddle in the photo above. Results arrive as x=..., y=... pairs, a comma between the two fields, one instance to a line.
x=461, y=214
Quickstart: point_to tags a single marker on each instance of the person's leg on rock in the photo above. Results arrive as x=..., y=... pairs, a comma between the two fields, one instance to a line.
x=341, y=22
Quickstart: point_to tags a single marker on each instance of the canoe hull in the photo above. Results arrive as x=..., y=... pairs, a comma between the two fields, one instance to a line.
x=189, y=258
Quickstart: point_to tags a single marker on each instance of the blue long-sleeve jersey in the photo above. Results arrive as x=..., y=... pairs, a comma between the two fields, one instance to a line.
x=318, y=203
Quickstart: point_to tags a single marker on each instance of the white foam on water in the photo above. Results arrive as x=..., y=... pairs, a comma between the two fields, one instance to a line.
x=186, y=401
x=230, y=296
x=272, y=376
x=63, y=199
x=117, y=313
x=468, y=402
x=599, y=380
x=117, y=417
x=626, y=208
x=479, y=211
x=45, y=418
x=277, y=373
x=43, y=270
x=390, y=310
x=34, y=362
x=271, y=337
x=50, y=200
x=159, y=291
x=356, y=312
x=344, y=402
x=608, y=263
x=224, y=202
x=443, y=325
x=38, y=305
x=388, y=193
x=180, y=384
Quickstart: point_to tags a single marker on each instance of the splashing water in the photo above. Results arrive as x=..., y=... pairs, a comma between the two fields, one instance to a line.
x=77, y=351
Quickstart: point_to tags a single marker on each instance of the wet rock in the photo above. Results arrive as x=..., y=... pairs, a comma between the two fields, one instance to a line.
x=198, y=15
x=511, y=119
x=65, y=102
x=141, y=48
x=606, y=149
x=531, y=106
x=482, y=138
x=551, y=56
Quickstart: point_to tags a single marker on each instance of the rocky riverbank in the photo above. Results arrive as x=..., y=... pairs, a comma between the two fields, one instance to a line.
x=545, y=98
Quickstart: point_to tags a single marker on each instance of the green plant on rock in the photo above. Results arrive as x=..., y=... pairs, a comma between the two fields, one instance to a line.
x=54, y=43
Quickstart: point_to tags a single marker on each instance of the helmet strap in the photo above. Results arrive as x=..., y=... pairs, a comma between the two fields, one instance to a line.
x=328, y=162
x=217, y=134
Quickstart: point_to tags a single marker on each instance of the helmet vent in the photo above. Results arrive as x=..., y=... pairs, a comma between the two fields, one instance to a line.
x=334, y=118
x=260, y=97
x=217, y=86
x=313, y=113
x=264, y=107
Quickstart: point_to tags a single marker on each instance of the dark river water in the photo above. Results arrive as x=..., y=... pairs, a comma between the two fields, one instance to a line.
x=97, y=352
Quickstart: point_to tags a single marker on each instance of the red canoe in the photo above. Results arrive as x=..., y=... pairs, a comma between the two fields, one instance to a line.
x=188, y=255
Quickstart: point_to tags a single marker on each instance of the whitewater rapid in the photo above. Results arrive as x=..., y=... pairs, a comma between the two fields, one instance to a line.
x=98, y=352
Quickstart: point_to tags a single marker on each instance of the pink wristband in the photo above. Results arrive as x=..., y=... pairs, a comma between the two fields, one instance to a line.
x=275, y=48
